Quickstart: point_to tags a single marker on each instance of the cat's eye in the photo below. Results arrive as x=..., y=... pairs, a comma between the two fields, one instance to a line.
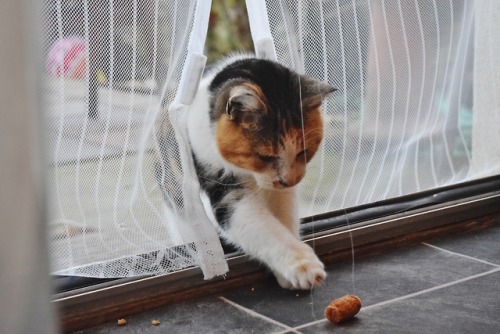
x=267, y=158
x=302, y=154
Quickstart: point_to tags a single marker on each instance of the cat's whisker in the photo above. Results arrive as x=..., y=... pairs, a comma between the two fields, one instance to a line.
x=225, y=183
x=255, y=191
x=312, y=134
x=312, y=131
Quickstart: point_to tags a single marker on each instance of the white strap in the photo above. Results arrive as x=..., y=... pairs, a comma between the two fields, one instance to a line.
x=195, y=60
x=260, y=29
x=209, y=254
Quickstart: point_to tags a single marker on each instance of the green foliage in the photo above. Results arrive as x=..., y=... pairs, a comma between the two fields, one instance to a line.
x=228, y=29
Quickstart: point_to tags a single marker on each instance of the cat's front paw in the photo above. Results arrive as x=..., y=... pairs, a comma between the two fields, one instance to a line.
x=303, y=273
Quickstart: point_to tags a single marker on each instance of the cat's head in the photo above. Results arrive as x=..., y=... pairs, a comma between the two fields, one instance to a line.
x=267, y=120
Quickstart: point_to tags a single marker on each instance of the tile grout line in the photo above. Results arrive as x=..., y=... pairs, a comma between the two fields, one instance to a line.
x=418, y=293
x=311, y=324
x=252, y=313
x=421, y=292
x=438, y=287
x=461, y=255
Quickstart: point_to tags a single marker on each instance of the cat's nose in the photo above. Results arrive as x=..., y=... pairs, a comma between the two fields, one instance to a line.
x=280, y=184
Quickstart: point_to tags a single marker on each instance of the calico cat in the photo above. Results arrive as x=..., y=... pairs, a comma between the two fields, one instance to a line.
x=253, y=127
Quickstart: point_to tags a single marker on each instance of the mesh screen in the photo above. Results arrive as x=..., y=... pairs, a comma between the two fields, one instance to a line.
x=416, y=109
x=402, y=119
x=112, y=71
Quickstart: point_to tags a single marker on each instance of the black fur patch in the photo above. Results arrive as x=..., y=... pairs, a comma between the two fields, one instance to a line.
x=222, y=189
x=280, y=85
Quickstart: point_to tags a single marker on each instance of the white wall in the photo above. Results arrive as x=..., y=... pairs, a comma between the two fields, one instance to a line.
x=24, y=280
x=486, y=128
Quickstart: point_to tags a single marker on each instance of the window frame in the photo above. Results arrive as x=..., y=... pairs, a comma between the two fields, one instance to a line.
x=91, y=306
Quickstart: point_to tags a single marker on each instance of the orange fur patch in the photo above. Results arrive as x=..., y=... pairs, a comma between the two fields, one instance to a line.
x=242, y=151
x=313, y=131
x=234, y=146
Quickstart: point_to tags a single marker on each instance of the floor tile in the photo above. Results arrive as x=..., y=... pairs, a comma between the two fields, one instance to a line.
x=483, y=244
x=376, y=278
x=206, y=316
x=469, y=307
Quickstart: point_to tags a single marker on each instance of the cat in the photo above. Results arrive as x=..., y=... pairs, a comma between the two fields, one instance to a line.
x=253, y=126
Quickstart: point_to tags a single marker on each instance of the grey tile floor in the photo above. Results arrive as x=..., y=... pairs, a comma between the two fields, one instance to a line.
x=448, y=285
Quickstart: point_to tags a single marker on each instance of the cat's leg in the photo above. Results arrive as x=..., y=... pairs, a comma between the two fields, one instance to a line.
x=283, y=205
x=255, y=228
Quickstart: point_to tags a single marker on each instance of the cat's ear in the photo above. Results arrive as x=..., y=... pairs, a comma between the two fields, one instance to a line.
x=245, y=106
x=313, y=92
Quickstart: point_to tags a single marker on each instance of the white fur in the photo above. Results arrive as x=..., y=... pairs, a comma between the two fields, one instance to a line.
x=265, y=222
x=265, y=226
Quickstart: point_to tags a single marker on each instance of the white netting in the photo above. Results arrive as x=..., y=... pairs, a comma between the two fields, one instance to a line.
x=113, y=68
x=417, y=108
x=403, y=119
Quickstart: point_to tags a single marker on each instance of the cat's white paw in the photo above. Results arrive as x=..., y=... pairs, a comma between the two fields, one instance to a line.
x=304, y=272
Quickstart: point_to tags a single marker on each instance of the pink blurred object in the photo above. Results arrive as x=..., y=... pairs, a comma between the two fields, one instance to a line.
x=67, y=57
